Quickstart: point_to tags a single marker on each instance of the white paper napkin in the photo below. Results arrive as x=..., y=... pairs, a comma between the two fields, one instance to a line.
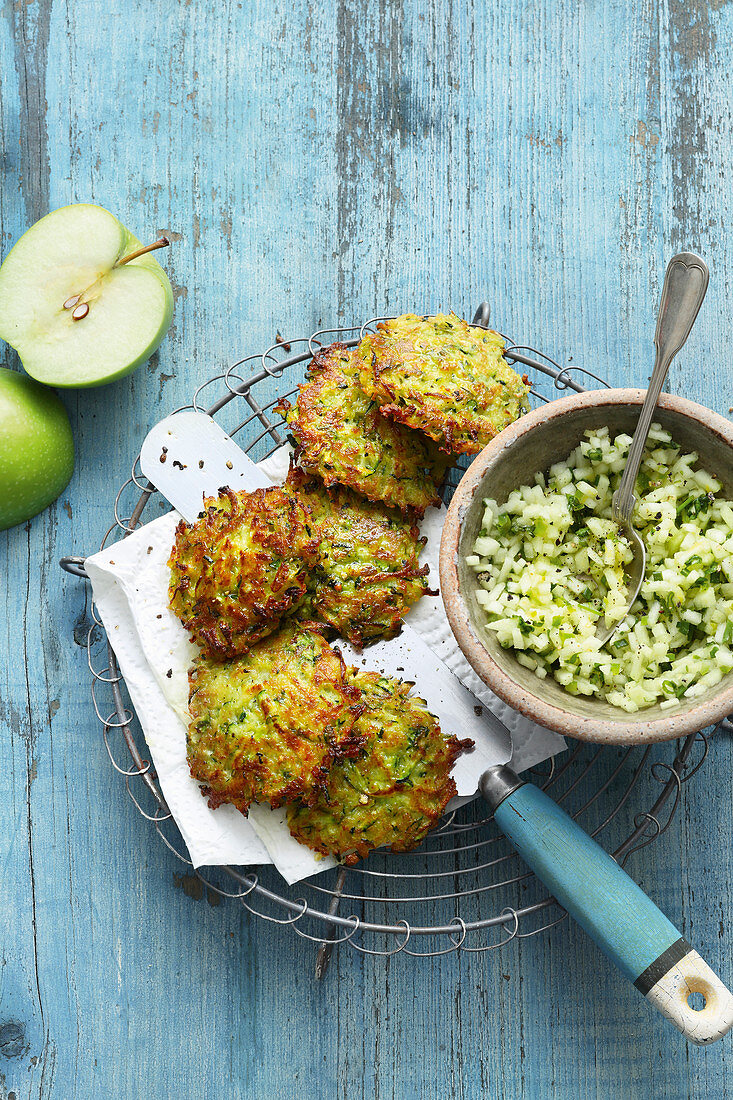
x=130, y=583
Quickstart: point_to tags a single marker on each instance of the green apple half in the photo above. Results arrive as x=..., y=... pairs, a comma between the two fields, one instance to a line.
x=73, y=255
x=36, y=448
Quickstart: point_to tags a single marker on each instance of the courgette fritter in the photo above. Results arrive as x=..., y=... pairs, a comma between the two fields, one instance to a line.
x=443, y=376
x=343, y=438
x=268, y=726
x=367, y=573
x=394, y=790
x=240, y=567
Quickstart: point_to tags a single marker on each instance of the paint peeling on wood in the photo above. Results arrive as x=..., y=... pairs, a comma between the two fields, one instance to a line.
x=324, y=161
x=194, y=888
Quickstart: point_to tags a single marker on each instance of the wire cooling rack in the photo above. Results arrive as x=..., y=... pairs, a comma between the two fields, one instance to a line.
x=464, y=889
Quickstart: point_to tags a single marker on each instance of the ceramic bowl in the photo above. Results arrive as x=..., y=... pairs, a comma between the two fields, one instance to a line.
x=533, y=444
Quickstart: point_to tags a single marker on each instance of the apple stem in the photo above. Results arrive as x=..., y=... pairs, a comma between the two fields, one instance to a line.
x=162, y=242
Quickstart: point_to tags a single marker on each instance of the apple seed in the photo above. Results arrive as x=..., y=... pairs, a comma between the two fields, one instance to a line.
x=71, y=302
x=79, y=312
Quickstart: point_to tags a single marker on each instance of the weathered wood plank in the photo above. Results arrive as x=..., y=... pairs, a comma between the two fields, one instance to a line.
x=314, y=165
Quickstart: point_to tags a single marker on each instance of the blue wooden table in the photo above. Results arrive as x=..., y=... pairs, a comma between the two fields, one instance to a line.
x=313, y=164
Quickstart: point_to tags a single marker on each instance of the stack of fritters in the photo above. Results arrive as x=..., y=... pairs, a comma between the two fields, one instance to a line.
x=262, y=577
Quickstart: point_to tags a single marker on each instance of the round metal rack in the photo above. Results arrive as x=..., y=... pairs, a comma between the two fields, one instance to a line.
x=464, y=888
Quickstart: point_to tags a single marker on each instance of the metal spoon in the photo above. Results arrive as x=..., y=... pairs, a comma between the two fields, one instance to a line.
x=685, y=284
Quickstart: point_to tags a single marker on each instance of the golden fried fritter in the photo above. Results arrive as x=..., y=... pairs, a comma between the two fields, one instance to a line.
x=240, y=567
x=443, y=376
x=343, y=438
x=394, y=790
x=268, y=726
x=367, y=572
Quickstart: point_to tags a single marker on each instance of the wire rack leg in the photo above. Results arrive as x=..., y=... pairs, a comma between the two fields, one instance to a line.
x=325, y=949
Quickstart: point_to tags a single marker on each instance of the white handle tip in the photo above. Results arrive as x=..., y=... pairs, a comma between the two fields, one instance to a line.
x=673, y=992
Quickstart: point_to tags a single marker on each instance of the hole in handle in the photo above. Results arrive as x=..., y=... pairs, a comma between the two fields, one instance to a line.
x=697, y=1000
x=701, y=995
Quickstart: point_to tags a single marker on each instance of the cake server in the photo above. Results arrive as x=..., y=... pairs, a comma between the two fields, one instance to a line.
x=187, y=456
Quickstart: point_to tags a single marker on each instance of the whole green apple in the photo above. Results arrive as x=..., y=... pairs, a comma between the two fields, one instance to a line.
x=80, y=300
x=36, y=448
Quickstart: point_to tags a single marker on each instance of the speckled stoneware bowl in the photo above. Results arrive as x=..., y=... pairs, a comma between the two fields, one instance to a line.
x=533, y=444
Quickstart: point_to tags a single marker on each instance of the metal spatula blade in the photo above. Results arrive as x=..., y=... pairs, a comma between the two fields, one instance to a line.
x=189, y=456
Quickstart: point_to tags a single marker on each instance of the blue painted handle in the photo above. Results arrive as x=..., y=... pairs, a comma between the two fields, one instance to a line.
x=622, y=920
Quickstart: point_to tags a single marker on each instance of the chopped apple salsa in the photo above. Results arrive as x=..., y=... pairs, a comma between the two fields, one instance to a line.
x=550, y=568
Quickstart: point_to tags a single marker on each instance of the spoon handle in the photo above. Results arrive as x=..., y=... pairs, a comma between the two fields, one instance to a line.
x=685, y=283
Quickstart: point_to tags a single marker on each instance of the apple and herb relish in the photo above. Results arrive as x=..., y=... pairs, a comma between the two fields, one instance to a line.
x=550, y=567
